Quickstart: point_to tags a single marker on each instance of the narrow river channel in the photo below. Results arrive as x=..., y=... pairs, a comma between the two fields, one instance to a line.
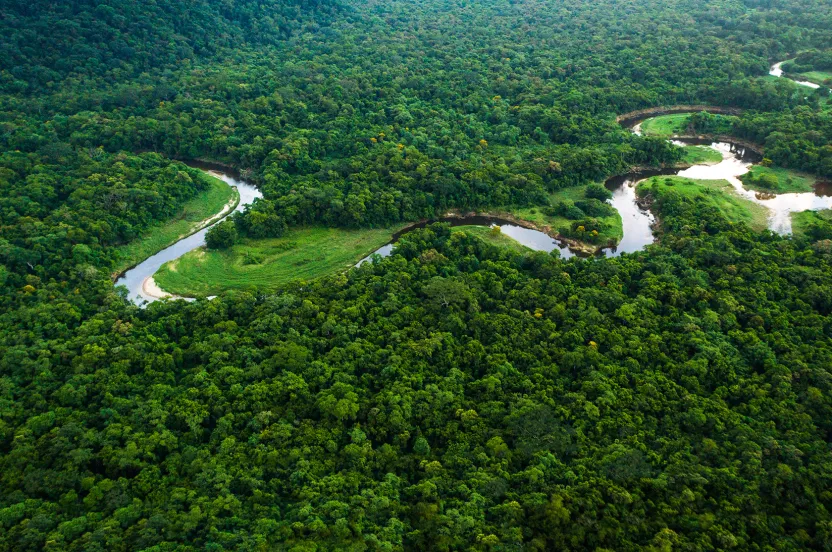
x=139, y=279
x=776, y=71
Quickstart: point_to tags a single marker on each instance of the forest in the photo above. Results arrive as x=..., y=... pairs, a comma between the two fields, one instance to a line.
x=459, y=394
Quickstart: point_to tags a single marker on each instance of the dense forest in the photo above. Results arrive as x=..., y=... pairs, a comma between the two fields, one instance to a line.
x=456, y=395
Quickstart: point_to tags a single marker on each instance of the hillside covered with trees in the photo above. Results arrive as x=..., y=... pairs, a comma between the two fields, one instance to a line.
x=454, y=396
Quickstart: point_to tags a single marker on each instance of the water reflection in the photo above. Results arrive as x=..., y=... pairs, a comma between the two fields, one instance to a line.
x=533, y=239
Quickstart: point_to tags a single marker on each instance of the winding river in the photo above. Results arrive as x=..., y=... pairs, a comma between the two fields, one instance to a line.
x=139, y=279
x=637, y=222
x=776, y=71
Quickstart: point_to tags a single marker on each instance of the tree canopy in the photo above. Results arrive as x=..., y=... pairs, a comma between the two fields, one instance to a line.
x=456, y=395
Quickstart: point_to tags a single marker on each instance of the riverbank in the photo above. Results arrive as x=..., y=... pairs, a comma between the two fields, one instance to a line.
x=266, y=264
x=632, y=118
x=778, y=180
x=152, y=289
x=493, y=236
x=136, y=279
x=719, y=194
x=208, y=207
x=803, y=221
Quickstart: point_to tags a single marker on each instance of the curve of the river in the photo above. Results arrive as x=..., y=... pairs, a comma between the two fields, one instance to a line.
x=139, y=279
x=637, y=222
x=777, y=71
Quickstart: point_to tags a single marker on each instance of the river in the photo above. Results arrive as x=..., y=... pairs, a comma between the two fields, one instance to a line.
x=776, y=71
x=533, y=239
x=138, y=279
x=637, y=222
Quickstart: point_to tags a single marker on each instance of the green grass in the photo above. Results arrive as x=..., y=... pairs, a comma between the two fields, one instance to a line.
x=701, y=155
x=718, y=193
x=803, y=220
x=665, y=125
x=160, y=236
x=493, y=237
x=613, y=232
x=303, y=253
x=781, y=180
x=817, y=77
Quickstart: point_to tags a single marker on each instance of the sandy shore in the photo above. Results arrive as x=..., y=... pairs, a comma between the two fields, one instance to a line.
x=152, y=289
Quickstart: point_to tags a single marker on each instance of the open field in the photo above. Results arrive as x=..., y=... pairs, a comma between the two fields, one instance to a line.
x=194, y=212
x=777, y=180
x=718, y=193
x=701, y=155
x=665, y=125
x=803, y=220
x=817, y=77
x=489, y=235
x=303, y=253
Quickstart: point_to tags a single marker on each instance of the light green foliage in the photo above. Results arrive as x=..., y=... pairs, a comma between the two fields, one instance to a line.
x=815, y=225
x=778, y=180
x=665, y=125
x=716, y=194
x=213, y=200
x=269, y=263
x=493, y=236
x=700, y=155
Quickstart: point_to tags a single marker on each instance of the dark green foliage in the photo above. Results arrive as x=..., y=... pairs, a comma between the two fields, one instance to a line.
x=558, y=398
x=587, y=229
x=454, y=396
x=599, y=192
x=566, y=209
x=595, y=208
x=221, y=236
x=710, y=123
x=44, y=41
x=811, y=60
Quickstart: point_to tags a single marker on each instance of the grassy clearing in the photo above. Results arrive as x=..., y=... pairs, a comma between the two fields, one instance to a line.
x=614, y=227
x=156, y=238
x=493, y=237
x=777, y=180
x=718, y=193
x=817, y=77
x=803, y=220
x=303, y=253
x=665, y=125
x=701, y=155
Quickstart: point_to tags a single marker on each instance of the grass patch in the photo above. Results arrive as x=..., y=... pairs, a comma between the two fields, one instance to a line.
x=266, y=264
x=665, y=125
x=777, y=180
x=701, y=155
x=205, y=205
x=493, y=237
x=802, y=221
x=718, y=193
x=613, y=232
x=817, y=77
